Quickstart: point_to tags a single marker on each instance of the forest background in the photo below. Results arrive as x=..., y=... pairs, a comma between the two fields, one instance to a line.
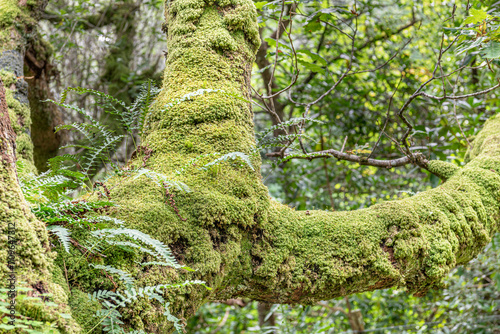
x=115, y=47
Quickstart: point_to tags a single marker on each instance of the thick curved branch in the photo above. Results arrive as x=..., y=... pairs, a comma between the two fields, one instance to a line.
x=304, y=257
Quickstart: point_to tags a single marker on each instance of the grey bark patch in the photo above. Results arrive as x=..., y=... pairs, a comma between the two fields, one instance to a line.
x=13, y=61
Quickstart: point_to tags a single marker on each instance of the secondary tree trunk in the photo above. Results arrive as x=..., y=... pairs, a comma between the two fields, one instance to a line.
x=242, y=243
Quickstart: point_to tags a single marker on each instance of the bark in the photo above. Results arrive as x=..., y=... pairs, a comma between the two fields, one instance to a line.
x=45, y=117
x=240, y=241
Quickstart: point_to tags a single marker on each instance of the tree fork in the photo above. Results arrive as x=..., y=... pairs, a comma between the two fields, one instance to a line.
x=243, y=243
x=240, y=241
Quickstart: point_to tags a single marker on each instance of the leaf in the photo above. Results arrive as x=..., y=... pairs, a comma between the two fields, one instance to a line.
x=122, y=275
x=476, y=16
x=62, y=233
x=314, y=56
x=161, y=250
x=312, y=67
x=472, y=45
x=492, y=50
x=259, y=5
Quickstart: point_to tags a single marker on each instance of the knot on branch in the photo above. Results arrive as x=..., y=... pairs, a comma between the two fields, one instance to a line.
x=419, y=159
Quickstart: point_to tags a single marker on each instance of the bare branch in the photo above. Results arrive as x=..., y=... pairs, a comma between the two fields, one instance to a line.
x=414, y=158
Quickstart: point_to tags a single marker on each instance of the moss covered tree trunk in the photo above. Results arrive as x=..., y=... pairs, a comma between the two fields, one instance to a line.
x=240, y=241
x=26, y=260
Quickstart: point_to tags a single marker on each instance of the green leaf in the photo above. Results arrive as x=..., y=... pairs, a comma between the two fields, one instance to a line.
x=492, y=50
x=314, y=56
x=259, y=5
x=311, y=66
x=476, y=16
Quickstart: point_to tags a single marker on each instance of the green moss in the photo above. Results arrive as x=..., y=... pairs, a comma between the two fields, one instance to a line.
x=20, y=119
x=9, y=10
x=84, y=311
x=444, y=170
x=205, y=51
x=8, y=78
x=34, y=261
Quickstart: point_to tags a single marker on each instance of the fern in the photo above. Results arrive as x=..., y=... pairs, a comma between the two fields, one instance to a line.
x=193, y=161
x=71, y=172
x=156, y=263
x=81, y=90
x=63, y=235
x=122, y=275
x=228, y=156
x=160, y=250
x=189, y=96
x=125, y=244
x=137, y=111
x=161, y=180
x=98, y=141
x=172, y=318
x=98, y=152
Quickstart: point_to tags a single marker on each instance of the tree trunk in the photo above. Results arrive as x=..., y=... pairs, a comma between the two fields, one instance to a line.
x=240, y=241
x=45, y=117
x=25, y=256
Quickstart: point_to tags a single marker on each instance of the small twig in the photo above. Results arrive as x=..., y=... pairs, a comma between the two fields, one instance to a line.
x=439, y=98
x=171, y=201
x=106, y=190
x=343, y=145
x=223, y=322
x=386, y=117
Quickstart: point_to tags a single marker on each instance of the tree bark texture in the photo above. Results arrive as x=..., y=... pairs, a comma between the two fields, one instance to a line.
x=239, y=240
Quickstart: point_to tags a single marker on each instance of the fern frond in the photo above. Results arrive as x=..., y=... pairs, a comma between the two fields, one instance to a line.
x=107, y=219
x=62, y=233
x=79, y=110
x=157, y=263
x=122, y=275
x=97, y=153
x=130, y=244
x=172, y=318
x=225, y=157
x=179, y=285
x=161, y=179
x=56, y=163
x=133, y=119
x=193, y=162
x=100, y=295
x=161, y=250
x=87, y=130
x=81, y=90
